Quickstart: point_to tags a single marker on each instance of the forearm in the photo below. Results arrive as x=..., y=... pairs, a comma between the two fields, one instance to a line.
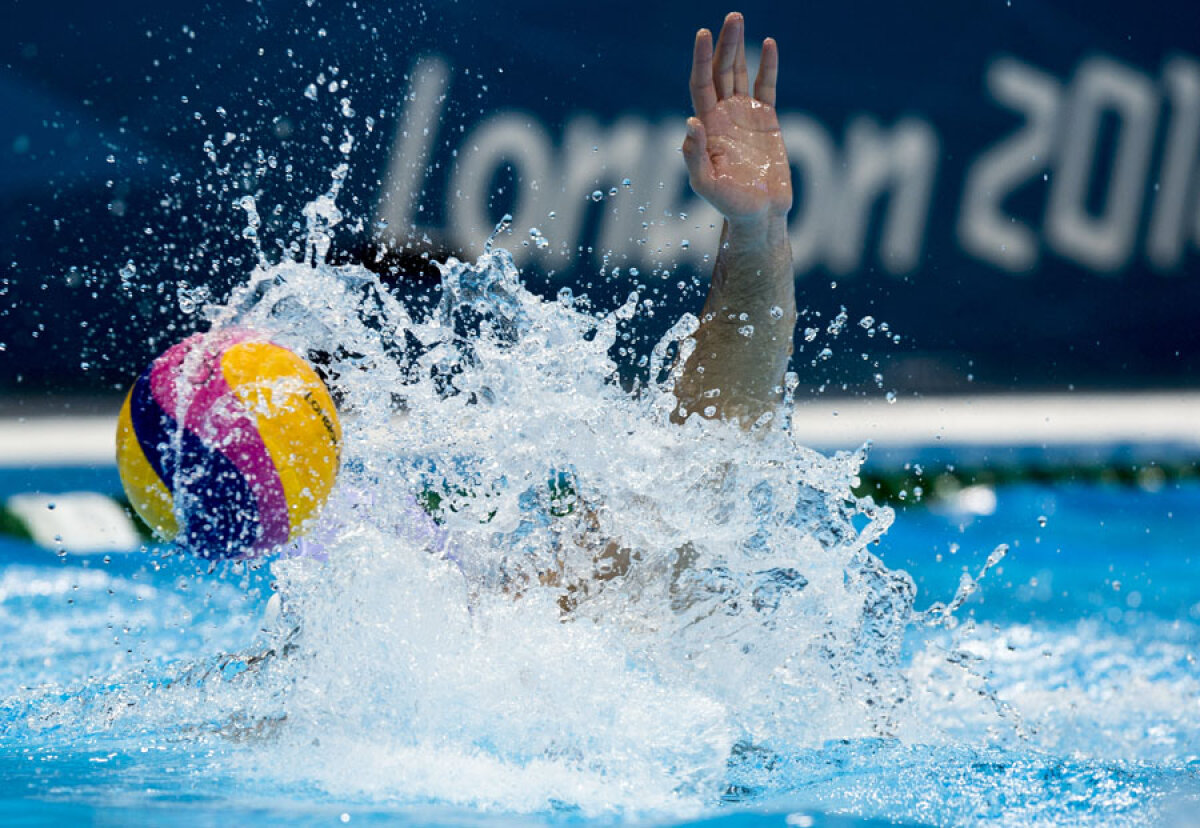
x=745, y=336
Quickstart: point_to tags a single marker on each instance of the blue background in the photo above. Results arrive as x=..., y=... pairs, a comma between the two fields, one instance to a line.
x=85, y=83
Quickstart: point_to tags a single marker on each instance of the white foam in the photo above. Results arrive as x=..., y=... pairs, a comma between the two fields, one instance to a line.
x=751, y=612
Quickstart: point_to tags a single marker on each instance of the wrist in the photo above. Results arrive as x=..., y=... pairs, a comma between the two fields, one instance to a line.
x=753, y=272
x=763, y=232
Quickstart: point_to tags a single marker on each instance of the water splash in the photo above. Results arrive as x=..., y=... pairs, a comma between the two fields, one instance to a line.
x=706, y=584
x=531, y=590
x=529, y=573
x=321, y=215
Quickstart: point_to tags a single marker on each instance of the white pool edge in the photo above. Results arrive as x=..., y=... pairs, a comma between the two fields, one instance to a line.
x=1048, y=420
x=1035, y=420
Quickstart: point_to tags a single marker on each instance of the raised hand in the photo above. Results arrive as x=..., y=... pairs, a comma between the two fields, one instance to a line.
x=737, y=162
x=734, y=150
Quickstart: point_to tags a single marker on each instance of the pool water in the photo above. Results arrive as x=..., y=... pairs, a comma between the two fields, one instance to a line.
x=1085, y=634
x=774, y=647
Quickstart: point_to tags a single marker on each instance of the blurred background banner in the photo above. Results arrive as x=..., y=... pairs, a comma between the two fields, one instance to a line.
x=991, y=195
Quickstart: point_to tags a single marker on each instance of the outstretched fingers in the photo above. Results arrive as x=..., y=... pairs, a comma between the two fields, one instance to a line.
x=704, y=95
x=741, y=78
x=725, y=60
x=768, y=72
x=720, y=72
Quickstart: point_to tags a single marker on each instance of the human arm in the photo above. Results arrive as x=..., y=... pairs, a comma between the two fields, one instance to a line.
x=737, y=162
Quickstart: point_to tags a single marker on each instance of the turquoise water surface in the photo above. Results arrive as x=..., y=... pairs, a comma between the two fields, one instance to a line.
x=1084, y=639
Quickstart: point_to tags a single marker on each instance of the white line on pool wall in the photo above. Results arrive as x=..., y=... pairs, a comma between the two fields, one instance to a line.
x=58, y=441
x=1026, y=420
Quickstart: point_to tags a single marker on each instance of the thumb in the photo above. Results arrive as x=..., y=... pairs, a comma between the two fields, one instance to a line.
x=695, y=155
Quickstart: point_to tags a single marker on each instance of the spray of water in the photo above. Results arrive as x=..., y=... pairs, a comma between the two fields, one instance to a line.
x=530, y=587
x=531, y=590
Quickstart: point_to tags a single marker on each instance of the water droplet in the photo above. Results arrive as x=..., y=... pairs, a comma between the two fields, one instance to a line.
x=503, y=226
x=776, y=312
x=1042, y=521
x=310, y=91
x=746, y=331
x=890, y=397
x=190, y=298
x=127, y=273
x=710, y=411
x=625, y=182
x=838, y=323
x=540, y=241
x=597, y=195
x=866, y=322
